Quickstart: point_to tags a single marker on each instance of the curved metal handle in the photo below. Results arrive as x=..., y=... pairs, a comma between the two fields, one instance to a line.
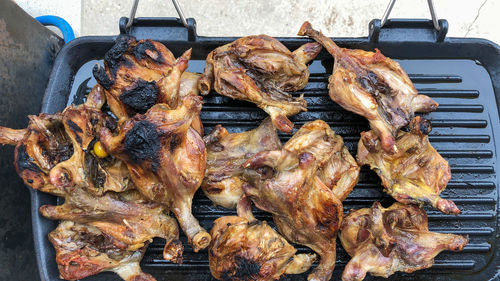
x=134, y=10
x=431, y=8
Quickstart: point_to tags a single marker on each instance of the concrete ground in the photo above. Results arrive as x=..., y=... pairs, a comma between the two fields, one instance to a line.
x=467, y=18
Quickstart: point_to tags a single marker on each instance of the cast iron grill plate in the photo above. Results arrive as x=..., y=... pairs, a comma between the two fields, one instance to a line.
x=464, y=129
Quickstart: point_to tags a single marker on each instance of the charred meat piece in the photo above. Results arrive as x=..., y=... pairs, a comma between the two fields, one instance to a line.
x=416, y=173
x=382, y=241
x=54, y=153
x=246, y=249
x=139, y=74
x=83, y=250
x=166, y=159
x=127, y=217
x=373, y=86
x=285, y=183
x=226, y=153
x=261, y=70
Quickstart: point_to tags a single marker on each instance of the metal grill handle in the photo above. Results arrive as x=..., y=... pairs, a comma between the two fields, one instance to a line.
x=431, y=8
x=176, y=5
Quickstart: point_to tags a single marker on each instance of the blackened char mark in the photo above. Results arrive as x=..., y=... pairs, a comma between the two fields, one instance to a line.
x=113, y=59
x=76, y=129
x=24, y=161
x=175, y=141
x=142, y=143
x=141, y=96
x=140, y=49
x=425, y=126
x=244, y=269
x=374, y=84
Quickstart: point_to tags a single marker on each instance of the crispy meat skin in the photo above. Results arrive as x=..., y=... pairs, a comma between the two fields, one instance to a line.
x=127, y=217
x=139, y=74
x=382, y=241
x=373, y=86
x=416, y=173
x=226, y=153
x=251, y=250
x=54, y=154
x=166, y=159
x=261, y=70
x=83, y=250
x=339, y=172
x=285, y=183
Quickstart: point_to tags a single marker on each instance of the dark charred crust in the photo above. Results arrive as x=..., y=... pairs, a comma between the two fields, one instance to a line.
x=140, y=49
x=73, y=126
x=114, y=57
x=244, y=269
x=76, y=129
x=24, y=161
x=141, y=96
x=142, y=143
x=101, y=77
x=175, y=141
x=425, y=127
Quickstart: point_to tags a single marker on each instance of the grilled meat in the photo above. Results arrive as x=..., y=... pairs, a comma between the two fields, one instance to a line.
x=139, y=74
x=285, y=183
x=261, y=70
x=416, y=173
x=373, y=86
x=166, y=159
x=382, y=241
x=339, y=172
x=189, y=87
x=247, y=249
x=226, y=153
x=127, y=217
x=54, y=153
x=83, y=250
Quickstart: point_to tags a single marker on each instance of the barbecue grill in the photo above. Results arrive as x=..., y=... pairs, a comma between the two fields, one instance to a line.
x=462, y=74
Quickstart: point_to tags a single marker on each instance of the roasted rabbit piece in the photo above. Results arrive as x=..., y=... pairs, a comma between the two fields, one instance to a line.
x=382, y=241
x=83, y=250
x=285, y=183
x=127, y=217
x=373, y=86
x=226, y=153
x=340, y=172
x=261, y=70
x=54, y=153
x=166, y=159
x=416, y=173
x=247, y=249
x=139, y=74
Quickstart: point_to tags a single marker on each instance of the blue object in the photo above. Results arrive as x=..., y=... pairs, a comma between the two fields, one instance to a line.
x=60, y=23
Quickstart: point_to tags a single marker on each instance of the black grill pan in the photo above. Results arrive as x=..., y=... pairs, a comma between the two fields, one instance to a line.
x=463, y=75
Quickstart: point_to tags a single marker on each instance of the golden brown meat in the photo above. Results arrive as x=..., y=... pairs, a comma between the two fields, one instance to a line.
x=54, y=154
x=373, y=86
x=416, y=173
x=139, y=74
x=226, y=153
x=189, y=87
x=127, y=217
x=284, y=183
x=261, y=70
x=339, y=172
x=382, y=241
x=166, y=159
x=83, y=250
x=246, y=249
